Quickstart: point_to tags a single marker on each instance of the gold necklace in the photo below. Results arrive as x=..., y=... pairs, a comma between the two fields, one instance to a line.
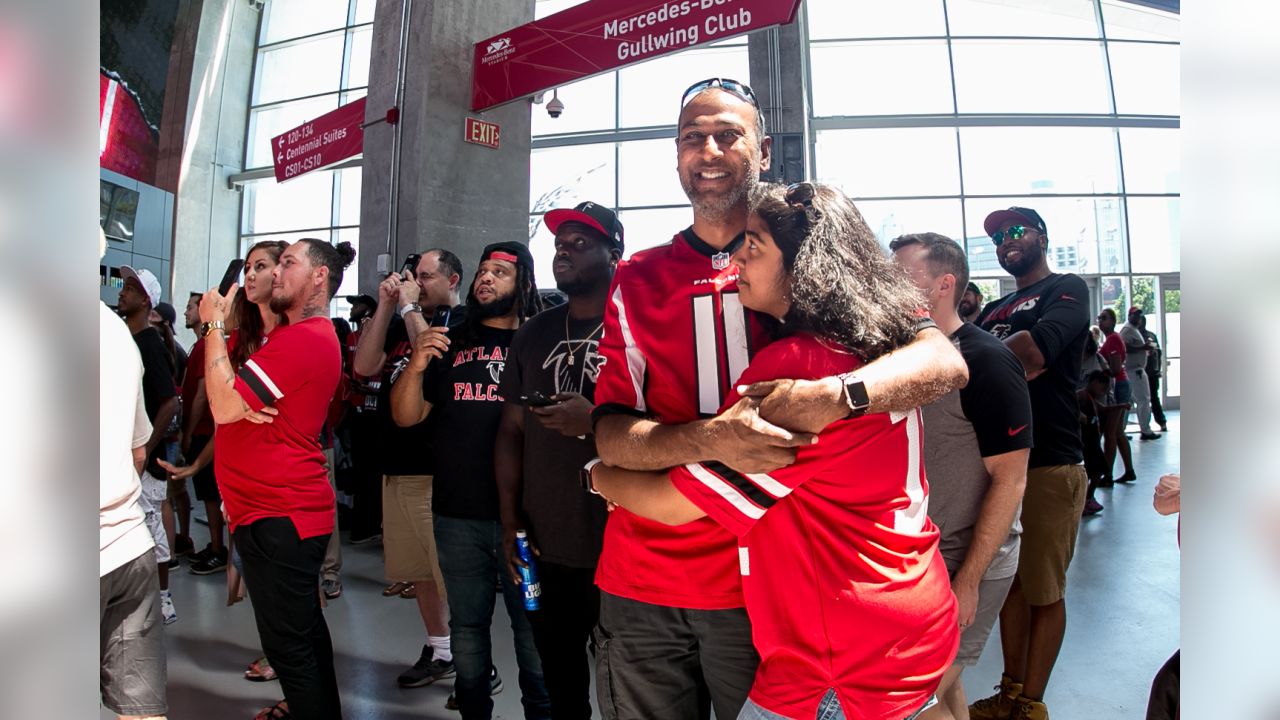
x=569, y=341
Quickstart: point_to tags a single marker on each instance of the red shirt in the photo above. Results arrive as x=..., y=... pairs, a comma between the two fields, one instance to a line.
x=190, y=382
x=675, y=338
x=277, y=469
x=840, y=566
x=1113, y=346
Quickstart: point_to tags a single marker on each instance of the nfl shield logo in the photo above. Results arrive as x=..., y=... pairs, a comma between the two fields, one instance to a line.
x=720, y=261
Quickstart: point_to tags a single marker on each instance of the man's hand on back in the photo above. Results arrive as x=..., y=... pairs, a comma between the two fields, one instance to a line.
x=741, y=439
x=801, y=405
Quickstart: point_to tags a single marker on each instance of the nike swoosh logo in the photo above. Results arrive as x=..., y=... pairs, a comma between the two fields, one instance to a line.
x=1015, y=431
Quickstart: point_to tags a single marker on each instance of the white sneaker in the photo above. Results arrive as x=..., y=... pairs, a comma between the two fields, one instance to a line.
x=167, y=610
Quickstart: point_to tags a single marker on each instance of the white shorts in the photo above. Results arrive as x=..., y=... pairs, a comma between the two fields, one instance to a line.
x=153, y=494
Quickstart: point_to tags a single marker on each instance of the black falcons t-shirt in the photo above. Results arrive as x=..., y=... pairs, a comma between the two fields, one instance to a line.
x=1055, y=311
x=157, y=385
x=466, y=406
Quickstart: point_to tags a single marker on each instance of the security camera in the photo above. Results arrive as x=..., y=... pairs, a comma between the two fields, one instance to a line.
x=555, y=106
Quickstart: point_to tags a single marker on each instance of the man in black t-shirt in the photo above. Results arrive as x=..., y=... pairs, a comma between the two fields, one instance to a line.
x=541, y=449
x=1044, y=322
x=139, y=295
x=451, y=383
x=401, y=458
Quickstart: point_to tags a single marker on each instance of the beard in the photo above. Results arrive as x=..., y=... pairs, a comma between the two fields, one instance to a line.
x=966, y=308
x=1030, y=259
x=498, y=308
x=717, y=206
x=279, y=304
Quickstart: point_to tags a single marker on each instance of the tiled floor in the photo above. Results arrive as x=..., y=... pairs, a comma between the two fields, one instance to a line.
x=1123, y=601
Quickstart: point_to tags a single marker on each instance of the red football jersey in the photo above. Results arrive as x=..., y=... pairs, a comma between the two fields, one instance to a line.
x=277, y=469
x=840, y=566
x=676, y=337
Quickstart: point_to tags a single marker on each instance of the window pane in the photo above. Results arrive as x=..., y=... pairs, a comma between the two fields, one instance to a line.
x=307, y=68
x=1146, y=78
x=1152, y=160
x=910, y=77
x=349, y=182
x=1115, y=295
x=647, y=174
x=351, y=277
x=1029, y=76
x=269, y=122
x=1052, y=18
x=588, y=105
x=890, y=218
x=543, y=8
x=364, y=11
x=286, y=19
x=565, y=176
x=1084, y=234
x=1173, y=377
x=305, y=202
x=874, y=18
x=1032, y=160
x=1173, y=323
x=250, y=240
x=651, y=228
x=361, y=45
x=889, y=162
x=650, y=91
x=1154, y=234
x=1131, y=21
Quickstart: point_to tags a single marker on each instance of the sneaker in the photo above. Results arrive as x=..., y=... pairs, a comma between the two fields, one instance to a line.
x=199, y=557
x=999, y=706
x=1151, y=436
x=1027, y=709
x=495, y=687
x=182, y=545
x=167, y=610
x=363, y=539
x=332, y=588
x=1092, y=507
x=425, y=671
x=173, y=563
x=210, y=565
x=1127, y=477
x=1164, y=428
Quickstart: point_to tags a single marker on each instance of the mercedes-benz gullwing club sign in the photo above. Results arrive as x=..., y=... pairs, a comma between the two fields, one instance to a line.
x=320, y=143
x=603, y=35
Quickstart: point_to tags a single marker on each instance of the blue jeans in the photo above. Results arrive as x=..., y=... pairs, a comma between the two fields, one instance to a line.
x=471, y=561
x=828, y=709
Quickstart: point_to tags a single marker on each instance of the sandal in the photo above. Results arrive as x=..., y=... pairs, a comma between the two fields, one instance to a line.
x=409, y=592
x=260, y=670
x=395, y=588
x=279, y=711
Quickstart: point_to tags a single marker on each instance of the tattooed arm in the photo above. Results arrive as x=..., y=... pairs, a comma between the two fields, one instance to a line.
x=225, y=403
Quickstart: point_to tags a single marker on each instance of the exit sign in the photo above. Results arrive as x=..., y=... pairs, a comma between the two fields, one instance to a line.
x=481, y=133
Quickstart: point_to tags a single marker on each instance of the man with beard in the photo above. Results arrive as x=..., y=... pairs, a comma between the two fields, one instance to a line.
x=271, y=469
x=451, y=382
x=541, y=448
x=1044, y=322
x=673, y=637
x=970, y=303
x=404, y=456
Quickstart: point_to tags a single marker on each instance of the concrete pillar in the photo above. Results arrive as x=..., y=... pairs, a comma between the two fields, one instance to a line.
x=778, y=61
x=452, y=194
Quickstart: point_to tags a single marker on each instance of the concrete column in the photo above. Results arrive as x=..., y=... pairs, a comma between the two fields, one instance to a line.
x=452, y=194
x=778, y=61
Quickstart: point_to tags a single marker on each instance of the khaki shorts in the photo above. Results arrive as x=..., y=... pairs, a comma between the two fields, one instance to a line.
x=408, y=538
x=1051, y=511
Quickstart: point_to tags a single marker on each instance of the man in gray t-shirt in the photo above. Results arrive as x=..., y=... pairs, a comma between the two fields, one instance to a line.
x=1135, y=364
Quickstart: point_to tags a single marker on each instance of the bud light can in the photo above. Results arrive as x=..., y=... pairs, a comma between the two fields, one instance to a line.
x=530, y=588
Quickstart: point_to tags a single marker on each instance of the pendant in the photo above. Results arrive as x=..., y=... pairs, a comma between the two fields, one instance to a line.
x=720, y=261
x=570, y=359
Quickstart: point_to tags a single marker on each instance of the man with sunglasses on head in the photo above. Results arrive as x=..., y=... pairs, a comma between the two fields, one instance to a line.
x=1044, y=322
x=673, y=638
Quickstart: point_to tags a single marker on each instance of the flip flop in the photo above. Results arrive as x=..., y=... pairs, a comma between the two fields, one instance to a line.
x=260, y=670
x=395, y=588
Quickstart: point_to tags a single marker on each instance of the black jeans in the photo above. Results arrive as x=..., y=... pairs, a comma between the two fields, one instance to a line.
x=1157, y=410
x=562, y=631
x=282, y=573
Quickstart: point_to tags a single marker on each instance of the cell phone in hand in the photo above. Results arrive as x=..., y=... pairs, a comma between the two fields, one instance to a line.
x=536, y=399
x=230, y=277
x=440, y=318
x=411, y=265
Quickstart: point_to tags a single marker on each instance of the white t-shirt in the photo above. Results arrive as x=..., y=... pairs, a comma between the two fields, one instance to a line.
x=1132, y=337
x=122, y=426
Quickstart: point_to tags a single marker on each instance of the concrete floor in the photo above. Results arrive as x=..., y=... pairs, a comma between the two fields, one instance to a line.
x=1123, y=602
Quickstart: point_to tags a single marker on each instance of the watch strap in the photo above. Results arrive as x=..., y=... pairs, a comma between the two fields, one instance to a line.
x=587, y=483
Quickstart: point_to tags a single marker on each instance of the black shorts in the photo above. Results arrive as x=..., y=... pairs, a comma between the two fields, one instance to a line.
x=206, y=485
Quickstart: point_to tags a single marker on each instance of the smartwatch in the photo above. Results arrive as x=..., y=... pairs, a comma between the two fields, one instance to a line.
x=855, y=395
x=585, y=475
x=411, y=307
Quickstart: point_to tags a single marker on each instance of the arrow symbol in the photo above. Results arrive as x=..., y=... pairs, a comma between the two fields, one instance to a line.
x=279, y=157
x=280, y=142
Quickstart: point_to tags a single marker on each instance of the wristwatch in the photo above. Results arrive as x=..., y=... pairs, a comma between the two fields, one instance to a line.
x=219, y=325
x=855, y=395
x=411, y=307
x=587, y=483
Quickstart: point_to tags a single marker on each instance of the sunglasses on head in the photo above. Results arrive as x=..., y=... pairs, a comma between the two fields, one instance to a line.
x=738, y=89
x=1015, y=232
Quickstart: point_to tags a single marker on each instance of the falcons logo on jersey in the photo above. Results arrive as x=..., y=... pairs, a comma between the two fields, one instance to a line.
x=571, y=377
x=495, y=369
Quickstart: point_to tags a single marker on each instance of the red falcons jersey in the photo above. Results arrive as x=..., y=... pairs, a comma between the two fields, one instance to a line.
x=840, y=566
x=676, y=337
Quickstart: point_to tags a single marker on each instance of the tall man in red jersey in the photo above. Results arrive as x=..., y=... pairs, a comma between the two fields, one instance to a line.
x=673, y=631
x=271, y=468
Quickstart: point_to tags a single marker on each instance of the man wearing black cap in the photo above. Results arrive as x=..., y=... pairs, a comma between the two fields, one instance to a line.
x=451, y=383
x=1044, y=322
x=541, y=448
x=970, y=302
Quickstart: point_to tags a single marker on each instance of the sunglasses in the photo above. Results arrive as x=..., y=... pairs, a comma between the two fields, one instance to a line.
x=1015, y=232
x=739, y=89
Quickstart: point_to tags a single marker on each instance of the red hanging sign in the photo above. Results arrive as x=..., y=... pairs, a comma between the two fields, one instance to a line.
x=480, y=132
x=320, y=143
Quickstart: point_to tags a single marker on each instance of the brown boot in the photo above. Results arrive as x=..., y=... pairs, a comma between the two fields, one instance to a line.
x=999, y=706
x=1024, y=708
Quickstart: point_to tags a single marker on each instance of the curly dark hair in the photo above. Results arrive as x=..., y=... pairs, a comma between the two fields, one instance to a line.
x=527, y=304
x=843, y=285
x=248, y=316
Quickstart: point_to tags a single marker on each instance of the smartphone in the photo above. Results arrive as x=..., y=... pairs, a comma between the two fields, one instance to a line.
x=536, y=399
x=411, y=266
x=230, y=276
x=440, y=318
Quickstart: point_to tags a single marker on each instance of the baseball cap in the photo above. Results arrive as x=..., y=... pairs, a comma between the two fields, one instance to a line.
x=1136, y=309
x=366, y=299
x=973, y=288
x=1018, y=214
x=592, y=215
x=167, y=313
x=145, y=278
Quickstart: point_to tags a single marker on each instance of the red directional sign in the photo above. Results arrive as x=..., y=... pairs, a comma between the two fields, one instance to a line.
x=481, y=133
x=327, y=140
x=603, y=35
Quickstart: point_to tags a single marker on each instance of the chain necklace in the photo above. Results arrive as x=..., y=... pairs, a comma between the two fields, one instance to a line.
x=573, y=350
